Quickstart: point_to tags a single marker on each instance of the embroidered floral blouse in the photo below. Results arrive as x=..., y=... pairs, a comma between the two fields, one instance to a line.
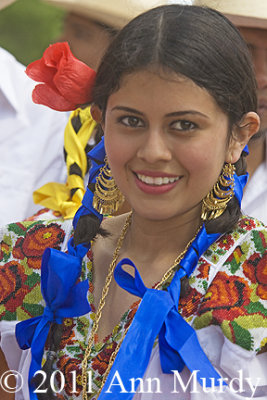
x=226, y=304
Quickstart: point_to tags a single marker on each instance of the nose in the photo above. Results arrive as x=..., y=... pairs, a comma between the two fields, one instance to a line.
x=260, y=65
x=155, y=147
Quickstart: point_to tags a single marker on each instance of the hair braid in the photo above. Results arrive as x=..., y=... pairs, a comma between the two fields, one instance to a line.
x=87, y=227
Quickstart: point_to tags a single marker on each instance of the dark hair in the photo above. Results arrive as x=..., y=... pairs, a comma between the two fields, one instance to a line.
x=197, y=42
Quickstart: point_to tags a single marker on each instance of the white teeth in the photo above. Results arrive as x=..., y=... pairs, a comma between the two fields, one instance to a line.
x=149, y=180
x=158, y=181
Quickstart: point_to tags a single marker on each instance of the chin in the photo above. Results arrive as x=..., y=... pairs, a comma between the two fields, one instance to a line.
x=155, y=214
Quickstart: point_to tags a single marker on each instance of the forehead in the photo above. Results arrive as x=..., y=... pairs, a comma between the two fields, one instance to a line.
x=255, y=37
x=163, y=91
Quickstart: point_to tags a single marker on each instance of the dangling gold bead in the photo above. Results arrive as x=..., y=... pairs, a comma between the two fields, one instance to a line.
x=215, y=203
x=107, y=196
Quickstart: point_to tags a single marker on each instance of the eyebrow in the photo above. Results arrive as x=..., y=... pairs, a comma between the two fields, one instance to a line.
x=172, y=114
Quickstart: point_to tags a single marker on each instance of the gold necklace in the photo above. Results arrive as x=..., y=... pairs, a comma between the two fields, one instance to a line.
x=102, y=302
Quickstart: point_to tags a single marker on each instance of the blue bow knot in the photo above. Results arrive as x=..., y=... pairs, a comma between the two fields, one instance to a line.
x=157, y=315
x=64, y=297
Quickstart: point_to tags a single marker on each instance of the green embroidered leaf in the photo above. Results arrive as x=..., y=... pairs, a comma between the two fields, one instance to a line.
x=245, y=248
x=227, y=330
x=34, y=309
x=9, y=316
x=192, y=279
x=82, y=325
x=203, y=320
x=258, y=241
x=74, y=349
x=30, y=224
x=234, y=266
x=16, y=229
x=253, y=308
x=208, y=253
x=251, y=321
x=33, y=279
x=117, y=337
x=98, y=347
x=6, y=257
x=242, y=336
x=205, y=285
x=7, y=239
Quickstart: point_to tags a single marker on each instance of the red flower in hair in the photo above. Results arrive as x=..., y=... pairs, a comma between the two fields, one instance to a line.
x=67, y=82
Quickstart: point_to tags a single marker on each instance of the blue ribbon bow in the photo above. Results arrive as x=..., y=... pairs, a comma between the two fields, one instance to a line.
x=178, y=343
x=64, y=297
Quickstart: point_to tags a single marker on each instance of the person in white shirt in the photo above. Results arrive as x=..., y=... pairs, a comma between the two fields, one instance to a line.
x=31, y=142
x=251, y=19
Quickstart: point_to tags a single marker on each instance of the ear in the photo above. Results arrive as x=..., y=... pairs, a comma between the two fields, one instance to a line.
x=96, y=113
x=241, y=134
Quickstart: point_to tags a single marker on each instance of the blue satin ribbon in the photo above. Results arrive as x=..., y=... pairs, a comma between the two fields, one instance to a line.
x=97, y=156
x=158, y=315
x=64, y=298
x=239, y=184
x=246, y=150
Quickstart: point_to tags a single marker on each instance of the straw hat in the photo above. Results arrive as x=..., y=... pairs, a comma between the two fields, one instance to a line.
x=114, y=13
x=5, y=3
x=243, y=13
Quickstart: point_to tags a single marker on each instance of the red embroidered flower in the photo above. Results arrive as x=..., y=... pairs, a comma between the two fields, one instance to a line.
x=68, y=333
x=226, y=297
x=204, y=270
x=189, y=303
x=226, y=242
x=101, y=361
x=130, y=316
x=36, y=241
x=71, y=369
x=12, y=288
x=67, y=82
x=247, y=224
x=255, y=268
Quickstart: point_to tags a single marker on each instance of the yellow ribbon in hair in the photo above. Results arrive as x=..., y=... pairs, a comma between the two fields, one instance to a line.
x=57, y=196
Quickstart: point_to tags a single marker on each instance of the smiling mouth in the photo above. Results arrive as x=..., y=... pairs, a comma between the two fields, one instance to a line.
x=157, y=181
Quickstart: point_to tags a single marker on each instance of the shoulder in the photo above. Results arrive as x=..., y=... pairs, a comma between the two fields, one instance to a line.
x=248, y=236
x=236, y=299
x=21, y=248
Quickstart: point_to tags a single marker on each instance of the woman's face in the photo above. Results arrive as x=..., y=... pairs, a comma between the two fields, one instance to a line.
x=166, y=140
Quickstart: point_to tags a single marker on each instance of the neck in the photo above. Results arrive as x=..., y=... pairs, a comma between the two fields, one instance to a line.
x=256, y=154
x=156, y=242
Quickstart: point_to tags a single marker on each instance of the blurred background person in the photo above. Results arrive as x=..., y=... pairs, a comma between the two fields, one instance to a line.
x=31, y=141
x=250, y=16
x=90, y=25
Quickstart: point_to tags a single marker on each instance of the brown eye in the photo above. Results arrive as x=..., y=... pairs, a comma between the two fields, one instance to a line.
x=183, y=125
x=133, y=122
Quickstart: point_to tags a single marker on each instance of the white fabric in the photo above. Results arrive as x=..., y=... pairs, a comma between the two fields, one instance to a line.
x=254, y=202
x=31, y=142
x=228, y=358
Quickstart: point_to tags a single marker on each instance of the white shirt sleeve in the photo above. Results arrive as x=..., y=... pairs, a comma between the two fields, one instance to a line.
x=18, y=360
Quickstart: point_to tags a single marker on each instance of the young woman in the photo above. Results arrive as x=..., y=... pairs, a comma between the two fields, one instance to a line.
x=175, y=98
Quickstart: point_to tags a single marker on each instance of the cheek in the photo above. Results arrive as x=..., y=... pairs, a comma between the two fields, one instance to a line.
x=118, y=154
x=203, y=166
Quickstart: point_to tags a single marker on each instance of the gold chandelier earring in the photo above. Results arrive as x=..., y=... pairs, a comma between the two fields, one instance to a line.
x=107, y=196
x=215, y=203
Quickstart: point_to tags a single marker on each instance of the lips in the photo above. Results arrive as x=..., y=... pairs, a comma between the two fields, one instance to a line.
x=152, y=182
x=157, y=181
